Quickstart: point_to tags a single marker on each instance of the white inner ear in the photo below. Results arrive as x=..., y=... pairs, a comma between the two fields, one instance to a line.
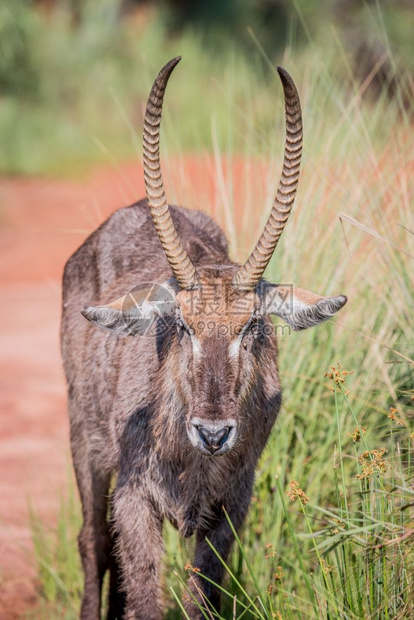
x=300, y=308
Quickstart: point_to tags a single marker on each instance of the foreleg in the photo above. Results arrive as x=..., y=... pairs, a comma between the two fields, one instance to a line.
x=139, y=551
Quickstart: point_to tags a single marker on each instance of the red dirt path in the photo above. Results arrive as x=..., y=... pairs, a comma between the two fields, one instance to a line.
x=41, y=223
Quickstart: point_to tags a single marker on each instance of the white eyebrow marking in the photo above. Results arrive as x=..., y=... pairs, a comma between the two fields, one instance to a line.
x=196, y=346
x=234, y=346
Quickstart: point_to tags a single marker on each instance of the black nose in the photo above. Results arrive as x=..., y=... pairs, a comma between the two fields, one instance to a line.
x=213, y=440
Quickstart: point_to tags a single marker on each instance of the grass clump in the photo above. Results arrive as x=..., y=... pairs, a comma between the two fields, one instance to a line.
x=59, y=570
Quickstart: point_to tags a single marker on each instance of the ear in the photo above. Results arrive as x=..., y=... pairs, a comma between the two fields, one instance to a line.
x=136, y=312
x=298, y=307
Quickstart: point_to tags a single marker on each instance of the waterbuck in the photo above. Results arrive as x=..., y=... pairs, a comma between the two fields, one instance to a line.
x=177, y=394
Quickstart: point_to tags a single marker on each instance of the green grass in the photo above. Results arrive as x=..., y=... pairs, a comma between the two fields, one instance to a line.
x=59, y=568
x=349, y=551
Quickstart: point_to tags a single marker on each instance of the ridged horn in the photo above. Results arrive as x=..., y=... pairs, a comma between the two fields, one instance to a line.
x=249, y=275
x=178, y=259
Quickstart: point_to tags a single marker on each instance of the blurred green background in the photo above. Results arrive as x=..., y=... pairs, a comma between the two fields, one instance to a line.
x=74, y=74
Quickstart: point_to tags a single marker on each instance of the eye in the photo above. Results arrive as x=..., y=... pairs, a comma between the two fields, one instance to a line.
x=250, y=331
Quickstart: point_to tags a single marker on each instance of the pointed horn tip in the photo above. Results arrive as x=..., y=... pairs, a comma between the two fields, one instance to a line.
x=173, y=62
x=283, y=73
x=167, y=69
x=286, y=78
x=164, y=74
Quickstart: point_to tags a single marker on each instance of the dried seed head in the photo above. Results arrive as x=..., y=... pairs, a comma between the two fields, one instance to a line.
x=297, y=493
x=372, y=462
x=356, y=435
x=338, y=374
x=394, y=418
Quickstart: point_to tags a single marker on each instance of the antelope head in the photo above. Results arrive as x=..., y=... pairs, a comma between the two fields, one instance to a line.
x=220, y=311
